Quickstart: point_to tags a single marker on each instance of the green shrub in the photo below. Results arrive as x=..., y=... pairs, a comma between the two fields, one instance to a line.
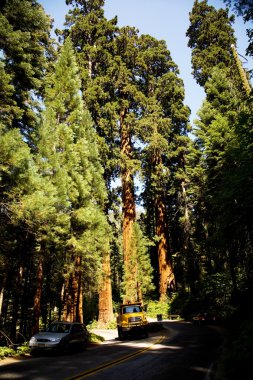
x=158, y=307
x=237, y=356
x=23, y=349
x=6, y=351
x=111, y=325
x=94, y=325
x=94, y=338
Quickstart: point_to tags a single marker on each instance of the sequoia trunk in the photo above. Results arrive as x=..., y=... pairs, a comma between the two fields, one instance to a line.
x=73, y=294
x=128, y=198
x=38, y=293
x=166, y=275
x=105, y=294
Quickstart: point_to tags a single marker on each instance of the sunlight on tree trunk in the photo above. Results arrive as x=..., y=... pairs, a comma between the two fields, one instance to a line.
x=166, y=275
x=105, y=294
x=127, y=197
x=73, y=294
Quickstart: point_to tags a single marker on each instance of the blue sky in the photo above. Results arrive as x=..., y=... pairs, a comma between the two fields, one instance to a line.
x=165, y=20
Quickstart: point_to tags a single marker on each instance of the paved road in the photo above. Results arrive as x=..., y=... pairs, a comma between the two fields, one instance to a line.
x=180, y=351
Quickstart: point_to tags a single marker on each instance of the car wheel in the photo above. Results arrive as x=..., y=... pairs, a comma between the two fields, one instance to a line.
x=34, y=353
x=66, y=348
x=84, y=345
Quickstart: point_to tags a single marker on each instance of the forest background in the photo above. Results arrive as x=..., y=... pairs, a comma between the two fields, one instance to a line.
x=105, y=104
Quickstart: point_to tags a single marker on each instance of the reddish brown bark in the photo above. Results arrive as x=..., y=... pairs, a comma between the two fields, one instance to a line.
x=166, y=275
x=105, y=294
x=128, y=197
x=73, y=294
x=38, y=293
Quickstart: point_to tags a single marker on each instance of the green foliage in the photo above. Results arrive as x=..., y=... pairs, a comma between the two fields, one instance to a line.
x=94, y=338
x=218, y=224
x=6, y=352
x=69, y=159
x=210, y=36
x=237, y=354
x=138, y=272
x=214, y=296
x=244, y=8
x=111, y=325
x=53, y=197
x=158, y=307
x=24, y=349
x=25, y=60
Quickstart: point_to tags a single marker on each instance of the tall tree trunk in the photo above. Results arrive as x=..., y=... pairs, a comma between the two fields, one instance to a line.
x=128, y=198
x=192, y=266
x=73, y=294
x=78, y=295
x=67, y=309
x=1, y=301
x=139, y=293
x=16, y=301
x=80, y=302
x=166, y=275
x=105, y=294
x=38, y=293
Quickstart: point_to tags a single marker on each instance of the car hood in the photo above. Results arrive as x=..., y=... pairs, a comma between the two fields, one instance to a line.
x=49, y=335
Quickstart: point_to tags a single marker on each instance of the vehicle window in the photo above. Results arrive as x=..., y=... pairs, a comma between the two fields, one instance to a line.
x=77, y=328
x=59, y=328
x=131, y=309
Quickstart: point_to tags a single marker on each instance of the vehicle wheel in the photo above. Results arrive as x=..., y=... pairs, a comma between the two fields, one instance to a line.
x=66, y=348
x=34, y=353
x=146, y=333
x=84, y=345
x=121, y=334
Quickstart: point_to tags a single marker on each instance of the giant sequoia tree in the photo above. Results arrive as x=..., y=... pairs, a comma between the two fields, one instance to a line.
x=107, y=65
x=163, y=129
x=121, y=73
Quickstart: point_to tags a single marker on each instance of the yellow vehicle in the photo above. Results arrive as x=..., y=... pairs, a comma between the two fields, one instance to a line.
x=131, y=319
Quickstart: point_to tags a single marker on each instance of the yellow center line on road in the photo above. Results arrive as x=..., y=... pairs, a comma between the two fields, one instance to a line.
x=114, y=362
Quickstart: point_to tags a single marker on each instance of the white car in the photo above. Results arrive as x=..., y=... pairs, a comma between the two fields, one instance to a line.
x=60, y=336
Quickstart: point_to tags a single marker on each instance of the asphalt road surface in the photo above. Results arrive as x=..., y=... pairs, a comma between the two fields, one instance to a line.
x=180, y=351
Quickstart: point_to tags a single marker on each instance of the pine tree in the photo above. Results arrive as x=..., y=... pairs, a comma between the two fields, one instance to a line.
x=137, y=282
x=26, y=46
x=92, y=37
x=244, y=8
x=69, y=157
x=217, y=141
x=210, y=37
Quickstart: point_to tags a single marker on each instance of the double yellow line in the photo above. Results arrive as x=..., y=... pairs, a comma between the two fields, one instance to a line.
x=114, y=362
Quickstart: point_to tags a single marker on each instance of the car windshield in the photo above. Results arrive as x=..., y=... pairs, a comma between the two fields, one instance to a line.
x=59, y=328
x=131, y=309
